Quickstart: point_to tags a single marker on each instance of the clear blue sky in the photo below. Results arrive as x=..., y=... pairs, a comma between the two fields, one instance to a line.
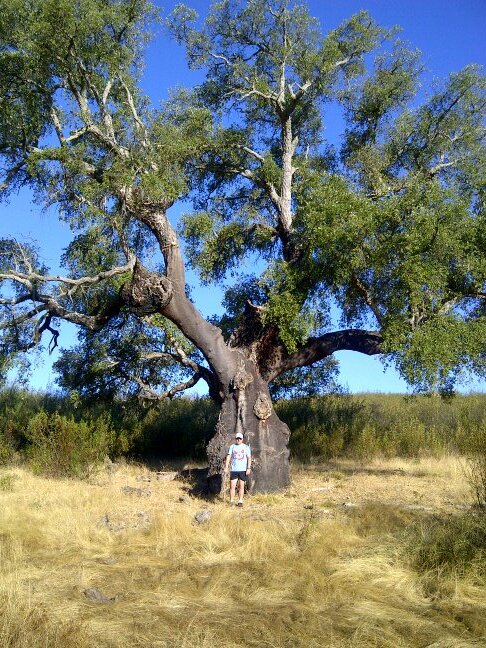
x=450, y=34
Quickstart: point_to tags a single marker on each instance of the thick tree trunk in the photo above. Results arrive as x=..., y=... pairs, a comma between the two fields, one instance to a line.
x=236, y=381
x=247, y=408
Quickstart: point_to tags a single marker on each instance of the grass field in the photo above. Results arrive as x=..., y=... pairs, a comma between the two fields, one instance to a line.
x=331, y=563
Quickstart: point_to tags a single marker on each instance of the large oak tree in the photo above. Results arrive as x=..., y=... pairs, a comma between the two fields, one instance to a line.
x=389, y=229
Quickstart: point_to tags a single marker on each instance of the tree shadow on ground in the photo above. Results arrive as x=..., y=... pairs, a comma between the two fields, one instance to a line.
x=358, y=470
x=198, y=483
x=194, y=477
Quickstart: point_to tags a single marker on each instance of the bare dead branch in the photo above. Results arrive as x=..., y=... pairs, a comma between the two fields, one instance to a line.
x=24, y=317
x=138, y=122
x=27, y=278
x=256, y=155
x=150, y=393
x=365, y=292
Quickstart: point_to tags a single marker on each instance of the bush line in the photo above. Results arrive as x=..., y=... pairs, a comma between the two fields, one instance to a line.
x=59, y=435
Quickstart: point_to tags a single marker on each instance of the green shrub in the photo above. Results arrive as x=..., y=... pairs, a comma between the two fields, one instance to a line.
x=369, y=425
x=322, y=427
x=476, y=470
x=454, y=544
x=336, y=442
x=178, y=428
x=7, y=452
x=61, y=447
x=7, y=483
x=308, y=444
x=355, y=426
x=411, y=438
x=17, y=408
x=365, y=444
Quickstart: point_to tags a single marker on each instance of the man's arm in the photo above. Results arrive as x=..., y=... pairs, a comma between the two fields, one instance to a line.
x=248, y=461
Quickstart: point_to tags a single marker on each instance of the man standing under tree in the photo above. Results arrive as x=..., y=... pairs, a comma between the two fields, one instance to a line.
x=239, y=454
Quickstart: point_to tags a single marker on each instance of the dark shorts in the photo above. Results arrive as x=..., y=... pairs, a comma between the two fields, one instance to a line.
x=238, y=474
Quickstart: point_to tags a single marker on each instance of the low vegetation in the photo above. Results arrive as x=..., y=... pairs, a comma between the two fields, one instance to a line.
x=64, y=436
x=367, y=426
x=355, y=554
x=380, y=541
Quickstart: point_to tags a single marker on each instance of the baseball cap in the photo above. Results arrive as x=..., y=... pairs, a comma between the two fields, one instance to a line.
x=238, y=435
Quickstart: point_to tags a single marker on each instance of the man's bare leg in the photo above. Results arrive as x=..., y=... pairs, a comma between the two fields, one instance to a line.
x=232, y=490
x=241, y=491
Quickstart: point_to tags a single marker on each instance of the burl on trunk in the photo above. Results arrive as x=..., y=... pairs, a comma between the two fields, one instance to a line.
x=247, y=408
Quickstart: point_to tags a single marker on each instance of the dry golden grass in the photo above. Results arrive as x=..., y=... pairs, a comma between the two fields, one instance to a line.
x=319, y=566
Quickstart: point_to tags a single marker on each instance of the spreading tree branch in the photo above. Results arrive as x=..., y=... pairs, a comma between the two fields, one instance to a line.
x=149, y=393
x=318, y=348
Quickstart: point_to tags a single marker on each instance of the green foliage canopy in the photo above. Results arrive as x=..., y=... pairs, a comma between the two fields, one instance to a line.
x=390, y=227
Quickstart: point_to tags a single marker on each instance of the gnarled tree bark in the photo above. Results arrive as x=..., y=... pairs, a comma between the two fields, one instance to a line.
x=247, y=408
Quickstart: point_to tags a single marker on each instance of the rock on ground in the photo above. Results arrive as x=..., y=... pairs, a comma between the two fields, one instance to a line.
x=203, y=516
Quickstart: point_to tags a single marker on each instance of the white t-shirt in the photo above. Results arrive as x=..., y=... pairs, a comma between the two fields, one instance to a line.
x=240, y=453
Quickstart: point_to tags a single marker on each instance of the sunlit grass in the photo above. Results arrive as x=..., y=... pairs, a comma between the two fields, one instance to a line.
x=298, y=569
